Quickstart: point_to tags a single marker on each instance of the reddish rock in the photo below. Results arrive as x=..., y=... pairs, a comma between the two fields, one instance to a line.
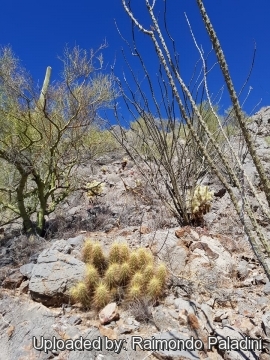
x=144, y=230
x=203, y=246
x=109, y=313
x=181, y=232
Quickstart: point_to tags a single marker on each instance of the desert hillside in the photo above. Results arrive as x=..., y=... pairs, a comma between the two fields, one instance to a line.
x=215, y=287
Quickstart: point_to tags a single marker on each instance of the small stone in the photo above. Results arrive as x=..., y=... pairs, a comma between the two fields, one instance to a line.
x=24, y=287
x=169, y=300
x=249, y=281
x=144, y=230
x=129, y=321
x=180, y=232
x=181, y=304
x=243, y=269
x=183, y=320
x=108, y=314
x=194, y=234
x=220, y=315
x=127, y=329
x=245, y=325
x=173, y=314
x=210, y=302
x=260, y=279
x=61, y=246
x=74, y=320
x=266, y=288
x=136, y=323
x=108, y=227
x=100, y=357
x=225, y=322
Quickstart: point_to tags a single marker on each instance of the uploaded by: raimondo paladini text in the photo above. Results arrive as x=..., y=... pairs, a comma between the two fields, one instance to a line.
x=146, y=344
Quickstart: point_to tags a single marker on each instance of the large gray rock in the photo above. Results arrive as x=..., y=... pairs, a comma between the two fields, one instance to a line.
x=168, y=247
x=21, y=320
x=53, y=275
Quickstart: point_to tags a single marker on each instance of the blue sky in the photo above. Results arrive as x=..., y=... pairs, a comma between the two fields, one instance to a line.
x=38, y=33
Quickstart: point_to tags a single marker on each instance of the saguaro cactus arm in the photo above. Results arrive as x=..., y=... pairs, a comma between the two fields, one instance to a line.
x=43, y=93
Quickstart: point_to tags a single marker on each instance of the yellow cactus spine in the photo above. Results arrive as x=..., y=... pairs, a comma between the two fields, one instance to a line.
x=91, y=277
x=124, y=253
x=161, y=273
x=134, y=292
x=148, y=273
x=111, y=276
x=137, y=279
x=154, y=288
x=133, y=261
x=79, y=293
x=125, y=273
x=102, y=295
x=119, y=253
x=145, y=257
x=87, y=251
x=98, y=258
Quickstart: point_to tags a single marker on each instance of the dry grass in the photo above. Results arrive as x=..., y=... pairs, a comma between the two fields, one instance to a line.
x=141, y=310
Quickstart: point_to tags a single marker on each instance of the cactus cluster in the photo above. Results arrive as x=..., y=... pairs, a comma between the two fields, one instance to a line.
x=199, y=202
x=95, y=188
x=133, y=271
x=124, y=163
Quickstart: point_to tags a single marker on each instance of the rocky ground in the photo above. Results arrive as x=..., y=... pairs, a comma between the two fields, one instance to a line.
x=216, y=291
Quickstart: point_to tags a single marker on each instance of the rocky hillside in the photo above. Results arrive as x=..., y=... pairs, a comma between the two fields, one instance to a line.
x=216, y=303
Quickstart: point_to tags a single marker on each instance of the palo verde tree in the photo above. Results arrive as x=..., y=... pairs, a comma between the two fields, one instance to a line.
x=44, y=134
x=226, y=163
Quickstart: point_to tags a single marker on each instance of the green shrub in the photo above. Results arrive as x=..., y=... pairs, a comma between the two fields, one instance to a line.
x=99, y=142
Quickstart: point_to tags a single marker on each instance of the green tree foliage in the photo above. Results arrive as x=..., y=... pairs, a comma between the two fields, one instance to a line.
x=143, y=136
x=44, y=135
x=99, y=142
